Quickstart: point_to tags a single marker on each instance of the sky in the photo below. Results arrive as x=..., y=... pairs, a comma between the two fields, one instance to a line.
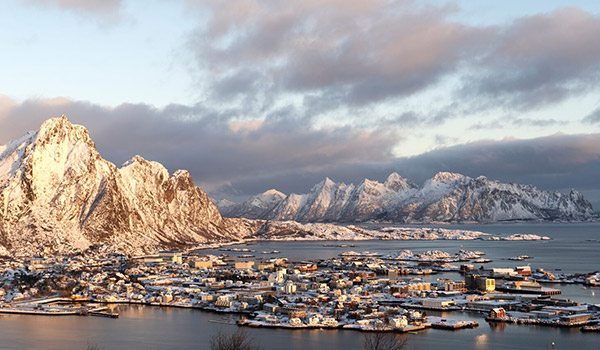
x=250, y=95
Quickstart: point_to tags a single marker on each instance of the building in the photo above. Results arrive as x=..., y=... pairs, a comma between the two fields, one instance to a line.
x=271, y=308
x=199, y=264
x=242, y=265
x=152, y=259
x=438, y=303
x=482, y=283
x=454, y=286
x=489, y=305
x=171, y=256
x=223, y=303
x=289, y=287
x=497, y=312
x=265, y=266
x=576, y=319
x=399, y=322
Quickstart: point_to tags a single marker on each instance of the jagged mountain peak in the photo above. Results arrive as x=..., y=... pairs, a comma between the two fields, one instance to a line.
x=447, y=177
x=256, y=206
x=327, y=182
x=273, y=192
x=59, y=195
x=61, y=129
x=394, y=177
x=137, y=159
x=396, y=182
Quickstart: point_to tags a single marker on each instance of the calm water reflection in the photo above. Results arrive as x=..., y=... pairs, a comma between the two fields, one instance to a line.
x=159, y=328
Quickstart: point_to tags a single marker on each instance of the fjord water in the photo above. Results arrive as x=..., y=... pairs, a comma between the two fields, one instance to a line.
x=573, y=248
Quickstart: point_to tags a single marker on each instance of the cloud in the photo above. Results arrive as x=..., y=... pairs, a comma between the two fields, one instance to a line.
x=538, y=60
x=494, y=124
x=537, y=122
x=233, y=157
x=528, y=160
x=102, y=7
x=593, y=118
x=215, y=146
x=339, y=52
x=342, y=56
x=555, y=162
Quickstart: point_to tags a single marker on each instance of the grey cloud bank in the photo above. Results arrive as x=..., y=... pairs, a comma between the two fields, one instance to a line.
x=239, y=158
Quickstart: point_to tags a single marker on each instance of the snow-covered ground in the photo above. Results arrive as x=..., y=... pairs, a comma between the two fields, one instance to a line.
x=291, y=230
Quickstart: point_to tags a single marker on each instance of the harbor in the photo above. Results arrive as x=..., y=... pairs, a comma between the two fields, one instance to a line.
x=392, y=295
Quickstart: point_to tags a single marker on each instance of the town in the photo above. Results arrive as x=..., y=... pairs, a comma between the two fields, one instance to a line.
x=364, y=291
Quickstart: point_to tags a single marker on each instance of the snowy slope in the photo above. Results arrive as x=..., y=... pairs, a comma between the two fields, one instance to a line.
x=257, y=206
x=58, y=195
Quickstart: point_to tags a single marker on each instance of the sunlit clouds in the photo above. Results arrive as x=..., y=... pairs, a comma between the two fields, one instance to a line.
x=250, y=95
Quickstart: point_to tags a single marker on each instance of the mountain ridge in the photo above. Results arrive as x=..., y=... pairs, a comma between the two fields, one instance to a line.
x=58, y=195
x=446, y=197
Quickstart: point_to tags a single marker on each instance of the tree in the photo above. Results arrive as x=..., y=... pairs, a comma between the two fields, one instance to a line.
x=384, y=340
x=239, y=340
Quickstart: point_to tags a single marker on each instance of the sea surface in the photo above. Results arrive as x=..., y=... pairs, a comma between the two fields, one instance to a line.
x=573, y=248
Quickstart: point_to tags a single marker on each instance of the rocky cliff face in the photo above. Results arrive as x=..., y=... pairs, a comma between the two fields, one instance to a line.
x=447, y=197
x=57, y=195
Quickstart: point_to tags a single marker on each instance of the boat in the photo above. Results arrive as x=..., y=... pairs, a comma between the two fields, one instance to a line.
x=520, y=257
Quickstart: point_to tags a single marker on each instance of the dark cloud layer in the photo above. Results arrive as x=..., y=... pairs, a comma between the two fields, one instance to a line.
x=557, y=162
x=213, y=146
x=240, y=158
x=593, y=118
x=539, y=60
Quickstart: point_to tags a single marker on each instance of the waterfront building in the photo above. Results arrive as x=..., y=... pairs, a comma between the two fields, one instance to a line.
x=199, y=264
x=244, y=265
x=265, y=266
x=482, y=283
x=437, y=303
x=575, y=318
x=498, y=312
x=399, y=322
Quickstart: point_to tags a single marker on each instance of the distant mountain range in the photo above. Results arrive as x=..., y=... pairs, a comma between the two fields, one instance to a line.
x=447, y=197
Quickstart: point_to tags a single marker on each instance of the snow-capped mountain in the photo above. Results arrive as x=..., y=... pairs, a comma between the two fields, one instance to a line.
x=57, y=195
x=447, y=197
x=255, y=207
